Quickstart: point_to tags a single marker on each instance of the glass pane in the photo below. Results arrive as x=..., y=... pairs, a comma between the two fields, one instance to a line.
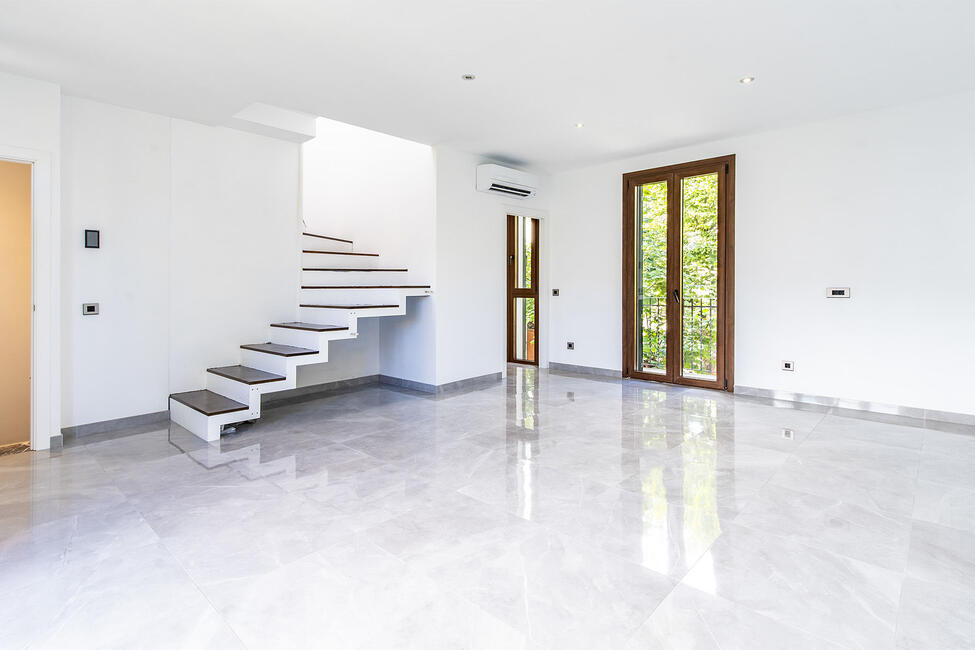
x=524, y=314
x=651, y=277
x=524, y=247
x=699, y=276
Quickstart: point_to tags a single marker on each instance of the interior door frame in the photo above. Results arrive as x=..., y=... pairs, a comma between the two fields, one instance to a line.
x=45, y=330
x=512, y=292
x=725, y=166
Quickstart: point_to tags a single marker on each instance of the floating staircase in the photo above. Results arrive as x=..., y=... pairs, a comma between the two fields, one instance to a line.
x=338, y=287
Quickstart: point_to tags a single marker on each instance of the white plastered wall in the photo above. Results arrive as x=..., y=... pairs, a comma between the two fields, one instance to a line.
x=877, y=201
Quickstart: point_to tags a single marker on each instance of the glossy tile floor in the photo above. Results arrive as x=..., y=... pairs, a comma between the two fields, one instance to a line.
x=549, y=511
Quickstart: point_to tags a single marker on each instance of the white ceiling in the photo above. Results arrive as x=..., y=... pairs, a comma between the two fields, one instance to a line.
x=641, y=75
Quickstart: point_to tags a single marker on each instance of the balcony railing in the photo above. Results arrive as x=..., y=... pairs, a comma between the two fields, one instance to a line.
x=699, y=321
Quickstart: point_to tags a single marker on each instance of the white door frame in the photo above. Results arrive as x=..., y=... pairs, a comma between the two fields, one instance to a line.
x=45, y=330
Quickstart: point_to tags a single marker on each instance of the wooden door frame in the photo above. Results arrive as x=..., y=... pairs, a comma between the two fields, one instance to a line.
x=725, y=375
x=511, y=292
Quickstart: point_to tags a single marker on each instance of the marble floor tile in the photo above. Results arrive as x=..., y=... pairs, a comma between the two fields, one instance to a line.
x=845, y=601
x=139, y=597
x=830, y=524
x=946, y=505
x=693, y=620
x=891, y=494
x=833, y=427
x=863, y=456
x=935, y=615
x=941, y=554
x=546, y=511
x=951, y=470
x=559, y=592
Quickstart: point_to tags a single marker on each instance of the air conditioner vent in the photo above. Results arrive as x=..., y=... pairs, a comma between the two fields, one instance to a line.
x=507, y=189
x=506, y=181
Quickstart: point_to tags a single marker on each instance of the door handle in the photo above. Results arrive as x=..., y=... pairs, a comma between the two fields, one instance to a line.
x=676, y=296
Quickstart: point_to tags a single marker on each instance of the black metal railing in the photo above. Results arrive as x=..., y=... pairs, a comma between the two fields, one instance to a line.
x=699, y=321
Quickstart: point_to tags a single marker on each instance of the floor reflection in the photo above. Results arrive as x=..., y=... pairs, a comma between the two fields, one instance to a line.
x=549, y=511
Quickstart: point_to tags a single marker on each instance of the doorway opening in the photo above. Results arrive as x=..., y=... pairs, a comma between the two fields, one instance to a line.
x=678, y=274
x=15, y=318
x=522, y=294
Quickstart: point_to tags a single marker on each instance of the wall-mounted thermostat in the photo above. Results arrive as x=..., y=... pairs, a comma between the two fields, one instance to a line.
x=838, y=292
x=89, y=309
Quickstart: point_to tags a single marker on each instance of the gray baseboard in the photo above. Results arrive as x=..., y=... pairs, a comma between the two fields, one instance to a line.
x=472, y=383
x=927, y=415
x=308, y=393
x=585, y=370
x=57, y=442
x=109, y=426
x=386, y=380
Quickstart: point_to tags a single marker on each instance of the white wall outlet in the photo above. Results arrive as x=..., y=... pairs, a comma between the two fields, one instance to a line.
x=788, y=434
x=789, y=366
x=837, y=292
x=570, y=346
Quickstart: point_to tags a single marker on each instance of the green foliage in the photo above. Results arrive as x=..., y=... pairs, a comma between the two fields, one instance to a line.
x=699, y=282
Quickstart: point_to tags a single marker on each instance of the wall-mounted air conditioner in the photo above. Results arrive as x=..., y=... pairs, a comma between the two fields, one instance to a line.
x=506, y=181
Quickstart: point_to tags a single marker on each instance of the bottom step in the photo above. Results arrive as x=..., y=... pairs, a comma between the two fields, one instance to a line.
x=208, y=403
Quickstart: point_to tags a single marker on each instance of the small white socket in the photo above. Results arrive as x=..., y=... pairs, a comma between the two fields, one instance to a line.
x=788, y=366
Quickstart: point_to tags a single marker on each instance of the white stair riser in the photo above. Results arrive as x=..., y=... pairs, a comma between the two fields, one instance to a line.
x=266, y=362
x=331, y=316
x=355, y=278
x=352, y=314
x=351, y=296
x=319, y=244
x=207, y=428
x=304, y=338
x=235, y=390
x=345, y=261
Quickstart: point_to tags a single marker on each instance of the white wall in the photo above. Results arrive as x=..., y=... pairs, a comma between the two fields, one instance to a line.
x=471, y=269
x=233, y=245
x=30, y=112
x=30, y=129
x=378, y=191
x=199, y=254
x=117, y=180
x=877, y=201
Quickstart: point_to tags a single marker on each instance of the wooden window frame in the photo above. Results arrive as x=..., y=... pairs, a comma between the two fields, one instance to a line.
x=513, y=292
x=725, y=167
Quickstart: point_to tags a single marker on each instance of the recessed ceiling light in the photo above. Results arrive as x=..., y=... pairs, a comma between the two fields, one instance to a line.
x=746, y=80
x=468, y=77
x=579, y=125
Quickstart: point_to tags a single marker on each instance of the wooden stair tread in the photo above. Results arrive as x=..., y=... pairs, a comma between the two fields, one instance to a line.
x=310, y=327
x=365, y=286
x=311, y=234
x=243, y=374
x=352, y=306
x=342, y=253
x=356, y=270
x=208, y=403
x=278, y=349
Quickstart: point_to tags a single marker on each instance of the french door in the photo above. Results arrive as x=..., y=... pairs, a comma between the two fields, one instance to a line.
x=678, y=274
x=523, y=247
